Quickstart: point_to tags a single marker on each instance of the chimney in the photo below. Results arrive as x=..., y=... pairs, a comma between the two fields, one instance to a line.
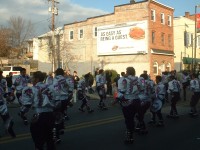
x=187, y=14
x=132, y=1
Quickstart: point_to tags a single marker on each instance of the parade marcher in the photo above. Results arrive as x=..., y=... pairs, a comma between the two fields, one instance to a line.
x=95, y=75
x=90, y=82
x=195, y=88
x=63, y=93
x=7, y=119
x=165, y=80
x=185, y=80
x=40, y=98
x=174, y=89
x=20, y=82
x=68, y=73
x=49, y=78
x=146, y=90
x=101, y=88
x=82, y=88
x=129, y=100
x=157, y=102
x=120, y=83
x=9, y=79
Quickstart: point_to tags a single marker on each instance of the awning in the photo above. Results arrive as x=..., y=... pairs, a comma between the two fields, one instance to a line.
x=188, y=60
x=162, y=52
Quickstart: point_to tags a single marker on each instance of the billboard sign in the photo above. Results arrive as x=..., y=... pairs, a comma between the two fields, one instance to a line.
x=126, y=38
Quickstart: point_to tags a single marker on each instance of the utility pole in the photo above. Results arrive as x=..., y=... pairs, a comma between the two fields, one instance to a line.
x=195, y=44
x=54, y=11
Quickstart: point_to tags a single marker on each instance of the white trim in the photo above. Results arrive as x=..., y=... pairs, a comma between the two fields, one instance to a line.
x=79, y=34
x=162, y=16
x=168, y=65
x=155, y=64
x=152, y=52
x=153, y=14
x=162, y=4
x=169, y=20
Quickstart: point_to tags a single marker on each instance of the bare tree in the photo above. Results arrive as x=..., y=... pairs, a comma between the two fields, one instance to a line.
x=4, y=42
x=67, y=55
x=21, y=30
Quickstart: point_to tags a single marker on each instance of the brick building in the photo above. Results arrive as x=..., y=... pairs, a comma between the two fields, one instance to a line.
x=138, y=34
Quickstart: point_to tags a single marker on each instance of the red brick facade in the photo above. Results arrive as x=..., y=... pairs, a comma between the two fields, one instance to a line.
x=159, y=52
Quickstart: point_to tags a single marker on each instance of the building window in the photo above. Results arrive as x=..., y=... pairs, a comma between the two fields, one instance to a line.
x=168, y=67
x=162, y=16
x=71, y=35
x=188, y=39
x=169, y=40
x=153, y=15
x=169, y=21
x=153, y=37
x=95, y=32
x=80, y=33
x=191, y=39
x=198, y=42
x=155, y=68
x=162, y=38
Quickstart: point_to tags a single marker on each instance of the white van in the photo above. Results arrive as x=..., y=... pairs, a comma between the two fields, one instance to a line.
x=14, y=69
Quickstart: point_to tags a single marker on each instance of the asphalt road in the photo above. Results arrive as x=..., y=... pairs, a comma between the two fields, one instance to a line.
x=104, y=130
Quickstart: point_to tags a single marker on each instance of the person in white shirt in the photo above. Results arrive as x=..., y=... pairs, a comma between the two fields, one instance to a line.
x=195, y=88
x=7, y=119
x=49, y=79
x=40, y=97
x=157, y=102
x=174, y=89
x=129, y=100
x=82, y=88
x=185, y=80
x=20, y=82
x=101, y=88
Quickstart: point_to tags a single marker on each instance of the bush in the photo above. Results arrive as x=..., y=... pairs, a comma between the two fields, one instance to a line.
x=111, y=72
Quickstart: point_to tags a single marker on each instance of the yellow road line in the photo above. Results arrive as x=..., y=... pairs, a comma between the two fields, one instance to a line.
x=68, y=128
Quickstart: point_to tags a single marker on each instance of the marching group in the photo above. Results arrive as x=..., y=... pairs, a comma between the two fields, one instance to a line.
x=138, y=94
x=49, y=97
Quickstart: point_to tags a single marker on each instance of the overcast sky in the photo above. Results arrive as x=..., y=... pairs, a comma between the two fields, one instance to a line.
x=72, y=10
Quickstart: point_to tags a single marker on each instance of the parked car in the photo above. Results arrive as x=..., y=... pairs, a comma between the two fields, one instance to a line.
x=14, y=69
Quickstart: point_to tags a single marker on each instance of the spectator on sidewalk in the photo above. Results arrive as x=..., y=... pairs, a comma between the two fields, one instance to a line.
x=76, y=80
x=116, y=80
x=9, y=79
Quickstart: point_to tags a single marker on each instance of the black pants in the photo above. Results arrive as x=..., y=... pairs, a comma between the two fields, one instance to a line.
x=194, y=100
x=84, y=102
x=129, y=114
x=144, y=106
x=102, y=94
x=41, y=131
x=109, y=88
x=175, y=98
x=184, y=90
x=158, y=114
x=18, y=95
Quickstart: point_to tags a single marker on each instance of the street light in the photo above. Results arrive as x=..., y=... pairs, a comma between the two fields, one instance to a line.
x=195, y=32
